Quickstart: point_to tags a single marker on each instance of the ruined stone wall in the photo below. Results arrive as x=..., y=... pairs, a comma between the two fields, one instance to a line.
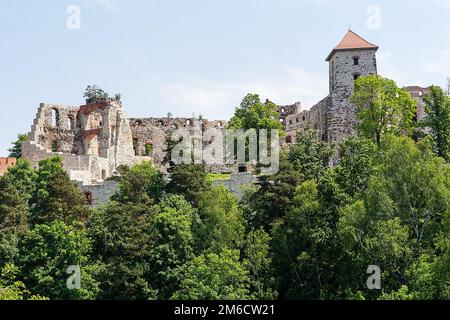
x=236, y=183
x=5, y=163
x=315, y=118
x=150, y=135
x=93, y=140
x=341, y=114
x=97, y=194
x=286, y=111
x=418, y=93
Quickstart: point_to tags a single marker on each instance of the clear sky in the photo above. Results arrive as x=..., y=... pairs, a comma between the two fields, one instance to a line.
x=203, y=56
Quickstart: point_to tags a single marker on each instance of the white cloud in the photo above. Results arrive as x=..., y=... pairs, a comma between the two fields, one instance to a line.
x=217, y=99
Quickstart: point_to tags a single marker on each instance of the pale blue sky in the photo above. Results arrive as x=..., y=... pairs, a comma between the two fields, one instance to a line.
x=202, y=57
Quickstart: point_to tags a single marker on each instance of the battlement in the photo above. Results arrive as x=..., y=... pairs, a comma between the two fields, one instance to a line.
x=5, y=163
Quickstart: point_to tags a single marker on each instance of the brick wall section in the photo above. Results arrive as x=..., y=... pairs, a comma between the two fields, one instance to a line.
x=5, y=163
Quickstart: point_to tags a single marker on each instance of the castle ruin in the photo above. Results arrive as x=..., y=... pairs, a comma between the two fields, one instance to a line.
x=95, y=139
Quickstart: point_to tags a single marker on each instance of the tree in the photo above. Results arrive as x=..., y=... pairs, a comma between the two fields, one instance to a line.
x=356, y=164
x=382, y=107
x=252, y=114
x=222, y=220
x=142, y=184
x=123, y=240
x=94, y=94
x=16, y=187
x=306, y=251
x=188, y=180
x=11, y=288
x=47, y=251
x=274, y=197
x=14, y=213
x=174, y=243
x=258, y=260
x=214, y=276
x=309, y=155
x=56, y=197
x=417, y=183
x=437, y=107
x=16, y=150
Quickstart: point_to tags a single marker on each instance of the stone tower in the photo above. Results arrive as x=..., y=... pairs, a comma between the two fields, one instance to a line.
x=353, y=57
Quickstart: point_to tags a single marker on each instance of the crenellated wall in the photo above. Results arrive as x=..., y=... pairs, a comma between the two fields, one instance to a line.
x=5, y=163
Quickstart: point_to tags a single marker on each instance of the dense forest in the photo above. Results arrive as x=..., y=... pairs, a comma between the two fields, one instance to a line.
x=311, y=231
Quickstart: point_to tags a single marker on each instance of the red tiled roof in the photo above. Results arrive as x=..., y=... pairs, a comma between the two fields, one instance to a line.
x=352, y=41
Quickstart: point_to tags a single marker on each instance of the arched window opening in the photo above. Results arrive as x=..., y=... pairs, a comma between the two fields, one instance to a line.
x=103, y=174
x=55, y=118
x=70, y=123
x=54, y=146
x=288, y=139
x=89, y=198
x=148, y=149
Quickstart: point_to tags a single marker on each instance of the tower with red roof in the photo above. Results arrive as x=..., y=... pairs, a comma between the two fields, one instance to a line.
x=351, y=58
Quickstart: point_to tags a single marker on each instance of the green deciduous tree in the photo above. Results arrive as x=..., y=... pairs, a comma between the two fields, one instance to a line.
x=188, y=180
x=356, y=164
x=252, y=114
x=174, y=242
x=56, y=197
x=11, y=288
x=214, y=277
x=258, y=261
x=222, y=220
x=142, y=184
x=47, y=251
x=437, y=107
x=305, y=247
x=309, y=155
x=382, y=107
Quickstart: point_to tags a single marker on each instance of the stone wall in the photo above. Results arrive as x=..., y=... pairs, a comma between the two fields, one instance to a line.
x=286, y=111
x=5, y=163
x=341, y=114
x=93, y=140
x=315, y=118
x=418, y=93
x=98, y=194
x=150, y=135
x=236, y=183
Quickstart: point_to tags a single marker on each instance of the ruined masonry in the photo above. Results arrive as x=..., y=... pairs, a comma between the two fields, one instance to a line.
x=95, y=139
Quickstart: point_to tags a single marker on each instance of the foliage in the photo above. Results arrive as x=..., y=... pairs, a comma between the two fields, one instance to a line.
x=382, y=107
x=188, y=180
x=273, y=198
x=142, y=184
x=222, y=221
x=252, y=114
x=309, y=155
x=123, y=241
x=55, y=196
x=437, y=107
x=16, y=150
x=11, y=288
x=47, y=251
x=214, y=276
x=94, y=94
